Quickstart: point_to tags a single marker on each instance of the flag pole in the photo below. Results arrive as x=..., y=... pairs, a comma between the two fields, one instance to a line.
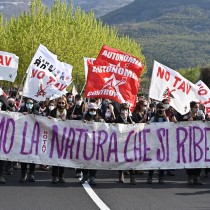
x=80, y=94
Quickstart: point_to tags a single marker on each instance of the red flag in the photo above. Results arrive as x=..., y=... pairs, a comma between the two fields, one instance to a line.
x=112, y=82
x=114, y=75
x=110, y=56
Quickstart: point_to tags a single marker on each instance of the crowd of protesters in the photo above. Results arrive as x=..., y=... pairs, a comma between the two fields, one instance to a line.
x=71, y=107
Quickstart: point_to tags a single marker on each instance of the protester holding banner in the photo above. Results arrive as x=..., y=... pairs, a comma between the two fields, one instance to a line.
x=59, y=112
x=109, y=115
x=91, y=116
x=28, y=109
x=172, y=118
x=141, y=112
x=194, y=173
x=160, y=116
x=125, y=118
x=3, y=107
x=75, y=112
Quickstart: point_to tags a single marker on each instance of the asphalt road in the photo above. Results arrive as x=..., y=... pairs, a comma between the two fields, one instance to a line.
x=175, y=194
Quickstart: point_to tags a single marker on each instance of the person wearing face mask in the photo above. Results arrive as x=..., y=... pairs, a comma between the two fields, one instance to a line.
x=160, y=116
x=28, y=109
x=11, y=104
x=140, y=113
x=169, y=111
x=75, y=112
x=92, y=115
x=50, y=107
x=194, y=173
x=172, y=118
x=109, y=115
x=60, y=112
x=125, y=118
x=69, y=97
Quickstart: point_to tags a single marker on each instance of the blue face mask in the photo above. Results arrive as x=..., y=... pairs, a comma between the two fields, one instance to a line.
x=29, y=106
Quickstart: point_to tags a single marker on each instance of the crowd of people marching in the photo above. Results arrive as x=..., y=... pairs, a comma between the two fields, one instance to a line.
x=71, y=107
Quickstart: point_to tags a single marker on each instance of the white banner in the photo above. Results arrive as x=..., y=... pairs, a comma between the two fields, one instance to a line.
x=204, y=95
x=8, y=66
x=86, y=61
x=167, y=83
x=58, y=73
x=36, y=139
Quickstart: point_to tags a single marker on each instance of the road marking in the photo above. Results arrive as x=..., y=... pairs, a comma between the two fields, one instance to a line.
x=94, y=196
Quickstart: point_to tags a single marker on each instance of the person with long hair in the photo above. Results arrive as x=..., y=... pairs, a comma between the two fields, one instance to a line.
x=60, y=112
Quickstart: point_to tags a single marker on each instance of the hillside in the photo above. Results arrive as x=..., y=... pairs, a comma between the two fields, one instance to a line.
x=174, y=32
x=100, y=7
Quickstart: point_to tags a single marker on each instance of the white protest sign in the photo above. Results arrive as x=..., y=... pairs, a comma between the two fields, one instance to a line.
x=47, y=62
x=86, y=61
x=167, y=83
x=204, y=95
x=8, y=66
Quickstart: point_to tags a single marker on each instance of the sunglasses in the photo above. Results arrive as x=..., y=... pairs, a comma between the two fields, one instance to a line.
x=92, y=110
x=29, y=103
x=61, y=103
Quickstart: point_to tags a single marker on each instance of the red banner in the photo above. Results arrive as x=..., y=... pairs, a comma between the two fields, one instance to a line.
x=112, y=82
x=114, y=75
x=110, y=56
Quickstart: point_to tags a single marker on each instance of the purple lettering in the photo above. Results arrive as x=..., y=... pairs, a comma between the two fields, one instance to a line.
x=12, y=122
x=2, y=123
x=81, y=131
x=24, y=139
x=35, y=140
x=56, y=139
x=111, y=150
x=197, y=148
x=146, y=149
x=181, y=136
x=126, y=147
x=93, y=147
x=69, y=146
x=100, y=144
x=206, y=146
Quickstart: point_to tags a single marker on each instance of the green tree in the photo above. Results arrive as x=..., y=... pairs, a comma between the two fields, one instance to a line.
x=192, y=74
x=68, y=33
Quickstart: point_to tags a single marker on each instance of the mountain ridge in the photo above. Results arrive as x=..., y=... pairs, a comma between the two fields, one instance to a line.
x=175, y=33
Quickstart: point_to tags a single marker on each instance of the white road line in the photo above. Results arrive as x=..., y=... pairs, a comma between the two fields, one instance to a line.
x=94, y=196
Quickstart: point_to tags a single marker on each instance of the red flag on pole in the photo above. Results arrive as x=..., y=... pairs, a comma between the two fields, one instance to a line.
x=114, y=75
x=110, y=56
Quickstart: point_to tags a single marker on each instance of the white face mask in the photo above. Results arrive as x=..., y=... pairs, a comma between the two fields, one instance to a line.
x=29, y=106
x=93, y=113
x=166, y=106
x=107, y=114
x=124, y=113
x=51, y=108
x=79, y=102
x=70, y=99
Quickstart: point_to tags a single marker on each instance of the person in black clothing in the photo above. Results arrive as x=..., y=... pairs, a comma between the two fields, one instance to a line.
x=76, y=112
x=194, y=173
x=108, y=114
x=3, y=107
x=160, y=116
x=140, y=113
x=93, y=116
x=59, y=112
x=125, y=118
x=28, y=109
